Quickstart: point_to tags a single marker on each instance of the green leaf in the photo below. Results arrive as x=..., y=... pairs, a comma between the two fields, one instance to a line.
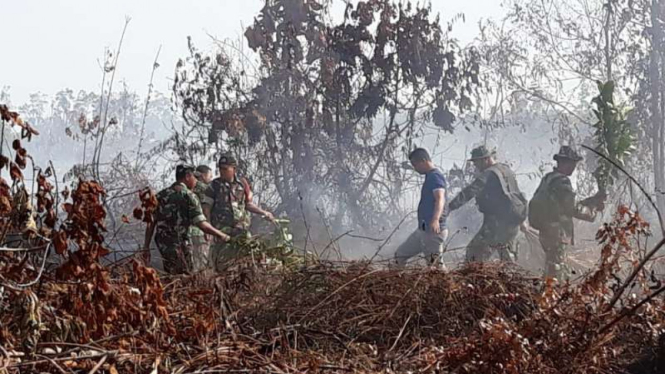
x=607, y=91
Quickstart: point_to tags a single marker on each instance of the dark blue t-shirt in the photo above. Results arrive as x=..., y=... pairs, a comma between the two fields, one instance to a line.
x=434, y=180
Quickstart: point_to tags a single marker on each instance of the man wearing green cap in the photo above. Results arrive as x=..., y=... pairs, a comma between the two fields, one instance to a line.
x=178, y=209
x=228, y=204
x=503, y=206
x=200, y=243
x=204, y=174
x=553, y=208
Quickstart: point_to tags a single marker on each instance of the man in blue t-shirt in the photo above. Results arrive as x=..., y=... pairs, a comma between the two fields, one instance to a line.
x=431, y=233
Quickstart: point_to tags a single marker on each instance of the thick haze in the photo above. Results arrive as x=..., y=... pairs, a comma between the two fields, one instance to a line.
x=50, y=45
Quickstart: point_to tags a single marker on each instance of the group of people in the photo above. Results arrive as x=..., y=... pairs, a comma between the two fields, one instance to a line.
x=505, y=211
x=198, y=216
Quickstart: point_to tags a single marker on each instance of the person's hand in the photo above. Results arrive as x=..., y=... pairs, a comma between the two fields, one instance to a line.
x=269, y=217
x=224, y=238
x=435, y=227
x=528, y=230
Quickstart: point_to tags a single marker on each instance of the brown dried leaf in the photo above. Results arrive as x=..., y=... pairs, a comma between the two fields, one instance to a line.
x=50, y=218
x=138, y=213
x=20, y=161
x=15, y=172
x=5, y=206
x=60, y=242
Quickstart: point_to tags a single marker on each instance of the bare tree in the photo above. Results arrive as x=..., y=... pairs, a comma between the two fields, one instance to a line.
x=334, y=105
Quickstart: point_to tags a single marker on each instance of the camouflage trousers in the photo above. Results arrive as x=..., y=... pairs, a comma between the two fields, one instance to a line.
x=422, y=242
x=176, y=258
x=225, y=255
x=200, y=254
x=494, y=236
x=555, y=247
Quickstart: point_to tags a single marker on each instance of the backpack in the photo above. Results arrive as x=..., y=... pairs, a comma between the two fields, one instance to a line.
x=542, y=211
x=515, y=203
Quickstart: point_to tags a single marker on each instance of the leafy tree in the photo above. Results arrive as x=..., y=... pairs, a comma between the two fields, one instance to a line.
x=613, y=135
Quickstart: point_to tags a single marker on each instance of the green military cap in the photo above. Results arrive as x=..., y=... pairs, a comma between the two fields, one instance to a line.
x=481, y=152
x=184, y=168
x=202, y=170
x=567, y=153
x=227, y=159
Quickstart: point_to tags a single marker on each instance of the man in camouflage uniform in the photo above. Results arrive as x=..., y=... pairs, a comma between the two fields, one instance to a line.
x=178, y=210
x=228, y=204
x=558, y=233
x=204, y=174
x=497, y=232
x=200, y=242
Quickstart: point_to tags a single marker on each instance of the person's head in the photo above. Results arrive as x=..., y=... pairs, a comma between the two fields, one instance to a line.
x=482, y=158
x=227, y=167
x=185, y=174
x=567, y=160
x=421, y=160
x=205, y=173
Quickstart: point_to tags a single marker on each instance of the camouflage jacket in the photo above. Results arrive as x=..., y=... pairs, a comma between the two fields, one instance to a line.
x=486, y=189
x=199, y=191
x=178, y=210
x=564, y=206
x=228, y=204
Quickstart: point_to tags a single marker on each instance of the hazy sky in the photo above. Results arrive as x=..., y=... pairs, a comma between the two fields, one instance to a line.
x=53, y=44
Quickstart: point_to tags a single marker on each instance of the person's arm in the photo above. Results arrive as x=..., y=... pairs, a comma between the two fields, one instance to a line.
x=198, y=219
x=564, y=193
x=439, y=203
x=469, y=192
x=250, y=206
x=207, y=200
x=209, y=229
x=585, y=213
x=206, y=210
x=253, y=208
x=149, y=232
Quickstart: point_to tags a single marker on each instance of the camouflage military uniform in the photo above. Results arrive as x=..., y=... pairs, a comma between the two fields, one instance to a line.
x=200, y=246
x=560, y=207
x=559, y=234
x=178, y=210
x=228, y=213
x=496, y=234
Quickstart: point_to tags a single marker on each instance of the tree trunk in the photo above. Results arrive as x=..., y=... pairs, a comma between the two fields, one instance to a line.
x=608, y=42
x=657, y=104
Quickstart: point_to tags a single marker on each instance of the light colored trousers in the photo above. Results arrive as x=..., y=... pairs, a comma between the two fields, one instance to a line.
x=424, y=242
